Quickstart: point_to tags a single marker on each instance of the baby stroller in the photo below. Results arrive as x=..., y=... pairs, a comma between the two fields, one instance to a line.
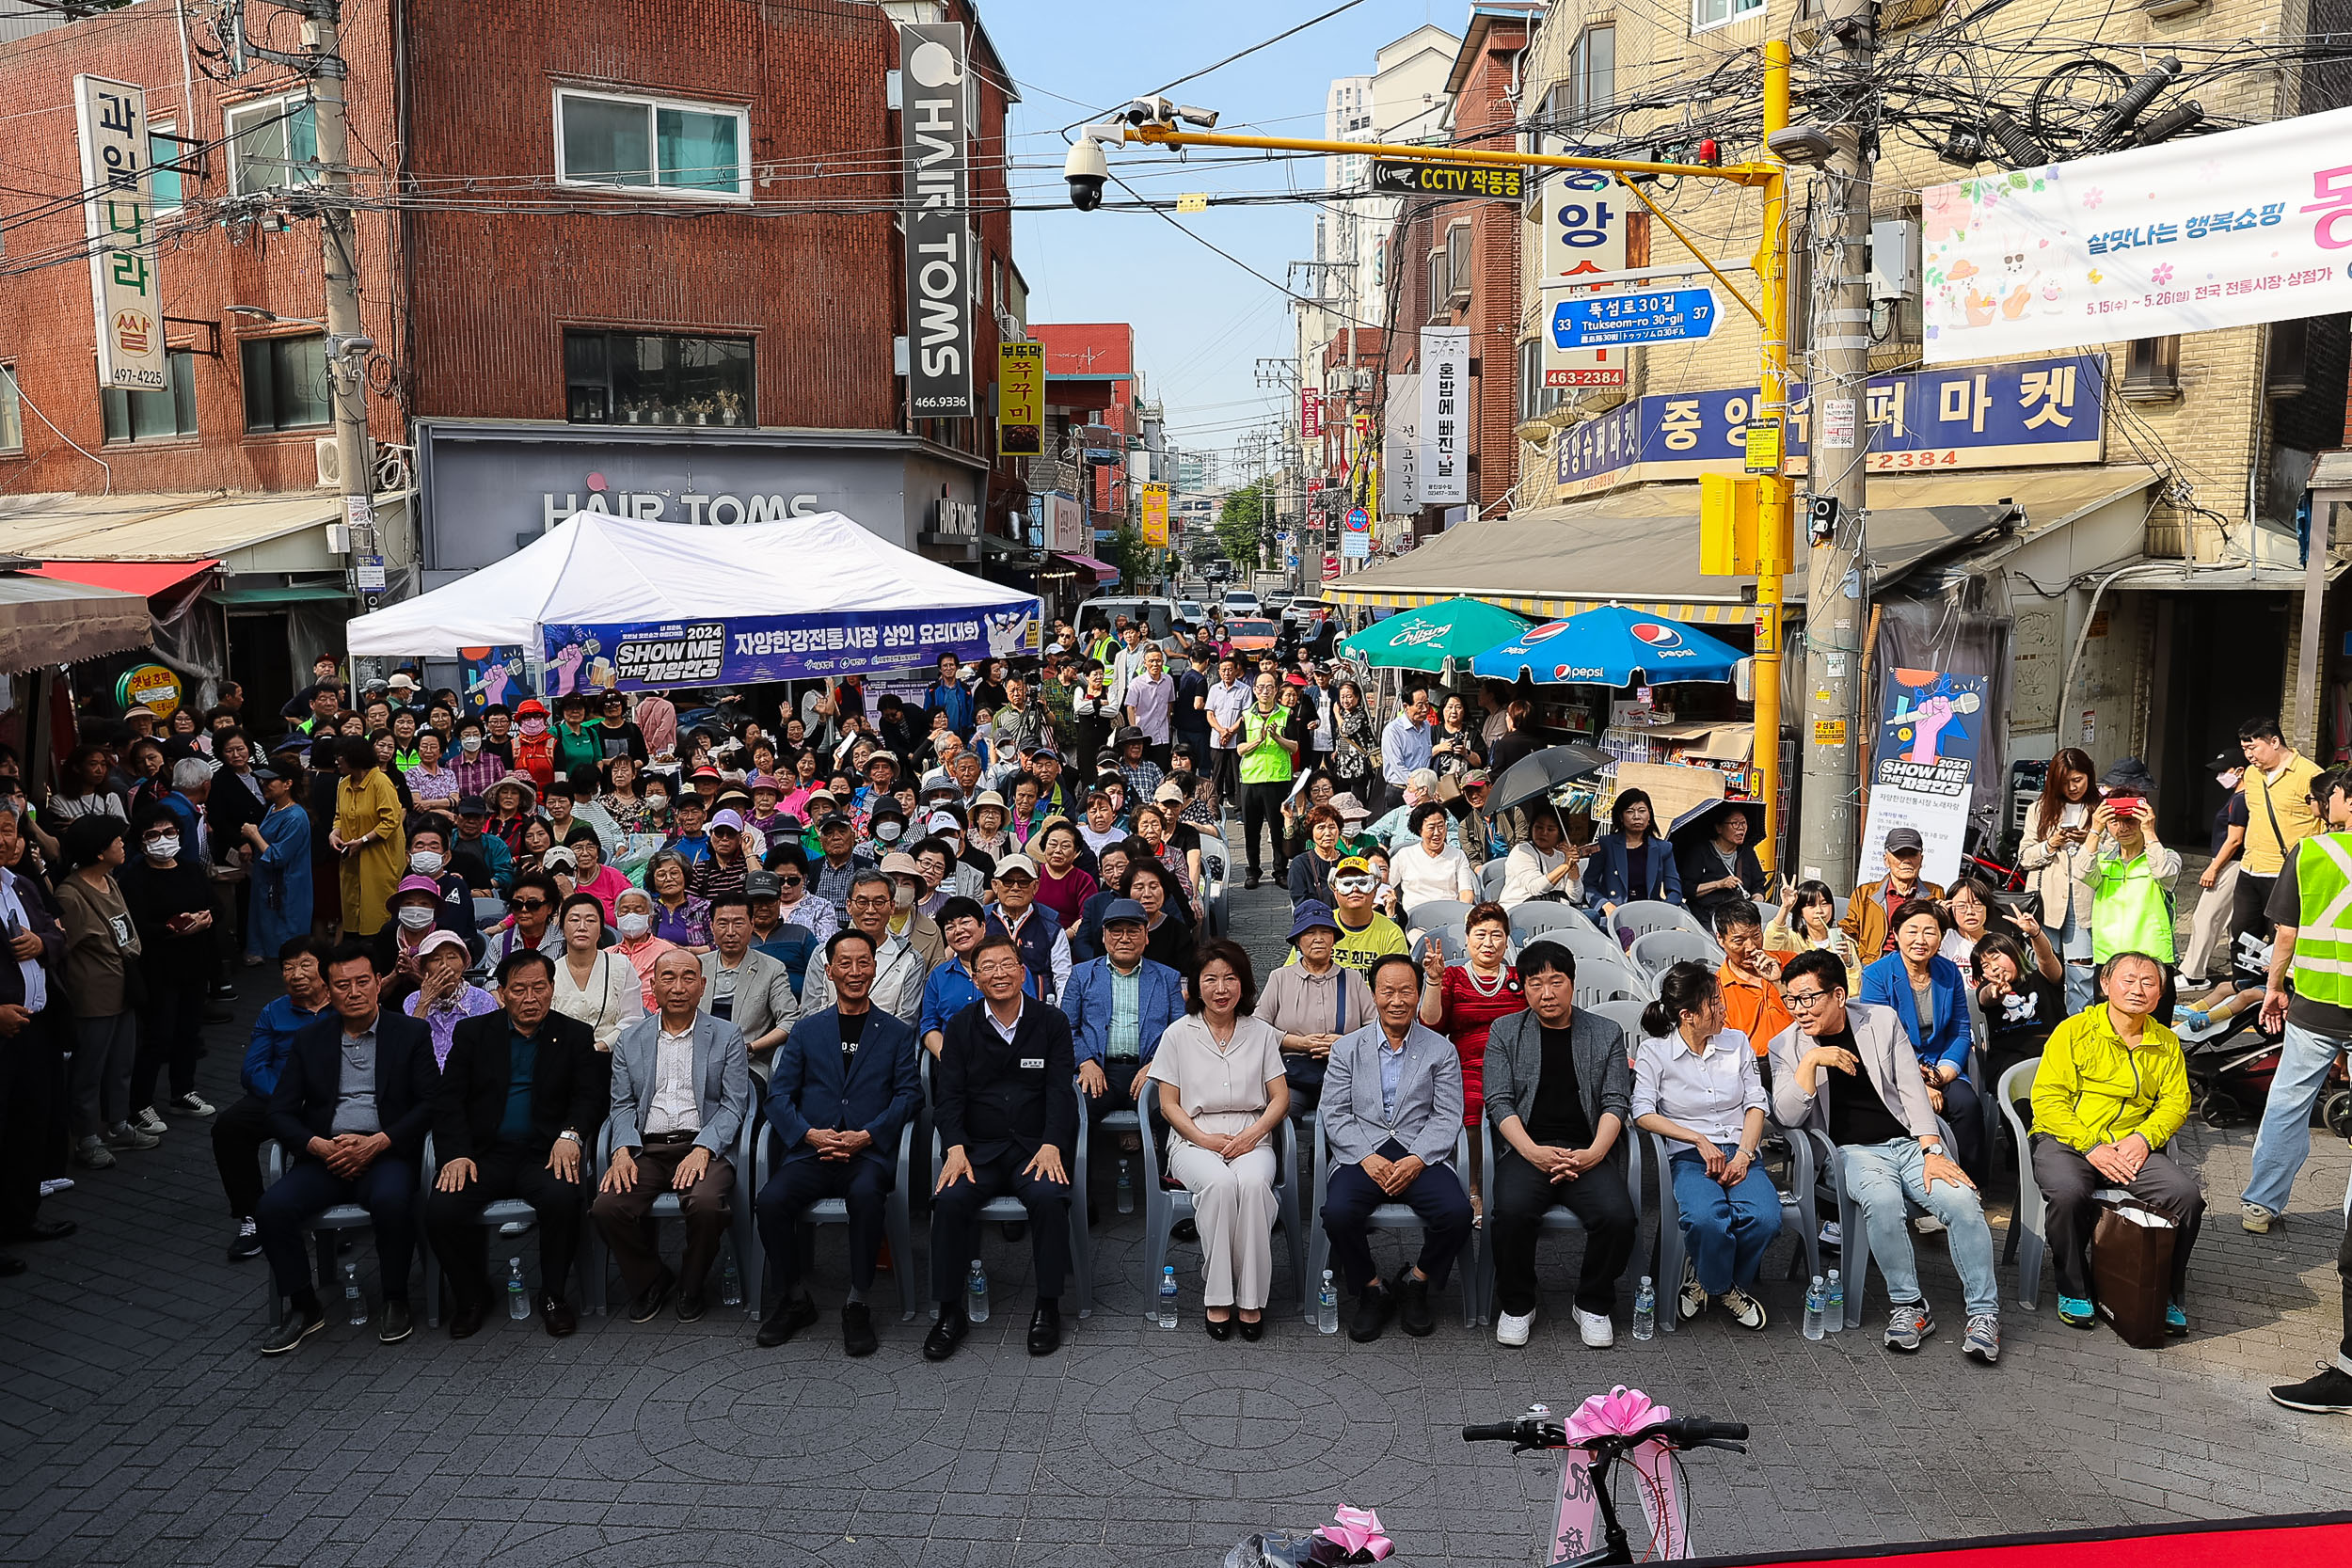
x=2231, y=1066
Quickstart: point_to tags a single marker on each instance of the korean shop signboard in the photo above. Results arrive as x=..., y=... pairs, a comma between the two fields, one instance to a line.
x=120, y=212
x=2188, y=236
x=2028, y=413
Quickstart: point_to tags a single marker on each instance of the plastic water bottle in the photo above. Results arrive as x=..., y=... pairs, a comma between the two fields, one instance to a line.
x=976, y=1294
x=517, y=1298
x=1328, y=1306
x=1167, y=1297
x=1127, y=1186
x=355, y=1305
x=1836, y=1304
x=1645, y=1309
x=730, y=1282
x=1816, y=1304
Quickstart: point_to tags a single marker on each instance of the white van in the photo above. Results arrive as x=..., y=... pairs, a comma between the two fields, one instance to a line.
x=1156, y=615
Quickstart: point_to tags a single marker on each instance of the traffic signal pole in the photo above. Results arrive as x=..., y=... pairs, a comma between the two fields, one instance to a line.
x=1774, y=507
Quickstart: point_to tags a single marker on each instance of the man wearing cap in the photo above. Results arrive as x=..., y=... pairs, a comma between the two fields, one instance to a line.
x=843, y=860
x=847, y=1081
x=1035, y=930
x=1366, y=934
x=1869, y=912
x=429, y=856
x=1314, y=1000
x=535, y=742
x=898, y=969
x=723, y=869
x=689, y=835
x=1269, y=758
x=482, y=859
x=789, y=945
x=1119, y=1005
x=750, y=988
x=616, y=733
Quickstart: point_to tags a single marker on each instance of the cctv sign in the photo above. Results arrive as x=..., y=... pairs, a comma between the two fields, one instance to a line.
x=935, y=127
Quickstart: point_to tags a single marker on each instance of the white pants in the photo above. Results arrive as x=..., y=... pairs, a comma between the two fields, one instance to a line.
x=1234, y=1205
x=2210, y=926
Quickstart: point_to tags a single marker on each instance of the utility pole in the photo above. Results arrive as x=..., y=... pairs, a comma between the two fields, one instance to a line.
x=347, y=345
x=1836, y=606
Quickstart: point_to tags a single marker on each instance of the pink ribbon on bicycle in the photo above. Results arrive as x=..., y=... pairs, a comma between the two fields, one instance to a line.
x=1619, y=1412
x=1358, y=1530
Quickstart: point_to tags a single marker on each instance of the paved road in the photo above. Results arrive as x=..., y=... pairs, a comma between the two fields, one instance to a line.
x=137, y=1420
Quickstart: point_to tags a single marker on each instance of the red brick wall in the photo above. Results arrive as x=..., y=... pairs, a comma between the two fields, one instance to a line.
x=1484, y=117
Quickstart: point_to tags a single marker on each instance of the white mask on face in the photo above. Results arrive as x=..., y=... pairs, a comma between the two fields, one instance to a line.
x=424, y=863
x=635, y=926
x=416, y=917
x=888, y=831
x=163, y=848
x=469, y=743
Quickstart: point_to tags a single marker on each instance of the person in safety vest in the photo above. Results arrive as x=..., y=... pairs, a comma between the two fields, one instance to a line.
x=2310, y=906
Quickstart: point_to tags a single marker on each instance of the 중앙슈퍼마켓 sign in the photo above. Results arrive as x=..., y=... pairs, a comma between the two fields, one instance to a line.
x=2189, y=236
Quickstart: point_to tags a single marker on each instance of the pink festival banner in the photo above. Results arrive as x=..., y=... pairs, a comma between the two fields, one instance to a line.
x=2186, y=236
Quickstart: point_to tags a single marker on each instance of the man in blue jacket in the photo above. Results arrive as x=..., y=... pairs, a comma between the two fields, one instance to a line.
x=1119, y=1005
x=950, y=696
x=241, y=1129
x=843, y=1085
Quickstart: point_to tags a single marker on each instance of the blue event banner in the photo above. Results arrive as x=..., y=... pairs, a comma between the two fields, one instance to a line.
x=652, y=654
x=2023, y=413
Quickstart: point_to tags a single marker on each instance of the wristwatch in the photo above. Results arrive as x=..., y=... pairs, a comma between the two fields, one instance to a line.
x=575, y=1137
x=1935, y=1147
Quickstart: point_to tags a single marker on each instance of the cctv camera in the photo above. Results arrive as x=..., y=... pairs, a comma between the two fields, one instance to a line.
x=1204, y=119
x=1085, y=171
x=1150, y=111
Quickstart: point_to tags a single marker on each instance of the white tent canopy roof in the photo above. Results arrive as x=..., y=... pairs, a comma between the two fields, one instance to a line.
x=593, y=567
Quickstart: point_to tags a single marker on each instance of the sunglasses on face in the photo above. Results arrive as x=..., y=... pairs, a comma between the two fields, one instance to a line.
x=789, y=881
x=526, y=905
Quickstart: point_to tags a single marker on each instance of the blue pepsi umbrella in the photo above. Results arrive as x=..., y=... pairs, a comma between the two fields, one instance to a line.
x=1610, y=646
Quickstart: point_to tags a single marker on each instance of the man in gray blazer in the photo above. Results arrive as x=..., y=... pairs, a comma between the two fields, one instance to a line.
x=1560, y=1094
x=749, y=988
x=1846, y=1070
x=681, y=1092
x=1391, y=1110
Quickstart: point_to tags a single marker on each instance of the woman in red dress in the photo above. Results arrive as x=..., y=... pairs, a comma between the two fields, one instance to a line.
x=1462, y=1002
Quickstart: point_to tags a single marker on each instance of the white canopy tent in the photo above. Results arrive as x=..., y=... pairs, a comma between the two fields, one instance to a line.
x=597, y=569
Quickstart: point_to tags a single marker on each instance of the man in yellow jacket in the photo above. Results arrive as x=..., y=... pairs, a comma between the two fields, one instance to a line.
x=2111, y=1091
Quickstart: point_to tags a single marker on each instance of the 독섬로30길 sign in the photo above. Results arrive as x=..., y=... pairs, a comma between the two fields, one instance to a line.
x=2189, y=236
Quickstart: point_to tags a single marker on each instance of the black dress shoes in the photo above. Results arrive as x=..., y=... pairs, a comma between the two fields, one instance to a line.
x=42, y=1231
x=464, y=1322
x=1251, y=1330
x=558, y=1315
x=945, y=1335
x=646, y=1304
x=1220, y=1329
x=785, y=1320
x=1045, y=1328
x=857, y=1330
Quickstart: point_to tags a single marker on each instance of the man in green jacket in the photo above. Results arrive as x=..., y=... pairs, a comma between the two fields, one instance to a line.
x=2111, y=1091
x=2131, y=882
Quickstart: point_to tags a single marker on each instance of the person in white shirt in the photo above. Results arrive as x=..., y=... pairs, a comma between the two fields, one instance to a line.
x=1542, y=865
x=1431, y=870
x=1229, y=699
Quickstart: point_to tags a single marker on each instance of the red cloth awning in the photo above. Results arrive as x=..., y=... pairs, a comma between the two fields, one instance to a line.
x=1103, y=570
x=146, y=579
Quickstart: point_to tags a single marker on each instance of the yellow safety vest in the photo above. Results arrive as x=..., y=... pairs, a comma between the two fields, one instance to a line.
x=2322, y=967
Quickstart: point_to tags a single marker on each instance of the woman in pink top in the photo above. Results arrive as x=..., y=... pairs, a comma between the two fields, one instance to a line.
x=593, y=876
x=633, y=917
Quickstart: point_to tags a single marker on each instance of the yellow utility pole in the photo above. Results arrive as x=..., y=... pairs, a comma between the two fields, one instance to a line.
x=1774, y=507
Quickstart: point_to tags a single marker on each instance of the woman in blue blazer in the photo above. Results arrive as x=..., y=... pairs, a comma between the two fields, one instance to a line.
x=1633, y=862
x=1941, y=1037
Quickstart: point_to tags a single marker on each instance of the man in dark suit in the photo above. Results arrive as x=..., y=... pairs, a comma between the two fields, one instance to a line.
x=840, y=1089
x=352, y=1105
x=33, y=1017
x=1007, y=1104
x=523, y=1091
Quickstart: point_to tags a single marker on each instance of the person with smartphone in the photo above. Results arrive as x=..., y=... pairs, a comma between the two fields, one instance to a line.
x=2130, y=880
x=2056, y=857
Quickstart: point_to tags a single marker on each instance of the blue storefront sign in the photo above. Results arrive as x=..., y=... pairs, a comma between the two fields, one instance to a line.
x=2026, y=413
x=647, y=655
x=1643, y=316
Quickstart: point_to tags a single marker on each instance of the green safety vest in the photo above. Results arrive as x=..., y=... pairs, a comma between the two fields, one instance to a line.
x=2322, y=967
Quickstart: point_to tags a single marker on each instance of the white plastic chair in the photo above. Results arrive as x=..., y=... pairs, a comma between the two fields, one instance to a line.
x=1654, y=914
x=1853, y=1233
x=1490, y=875
x=2029, y=1230
x=1167, y=1204
x=1438, y=914
x=1215, y=869
x=1796, y=1210
x=1546, y=916
x=1655, y=952
x=1625, y=1013
x=1388, y=1216
x=1599, y=981
x=1556, y=1218
x=1588, y=944
x=896, y=1224
x=1454, y=945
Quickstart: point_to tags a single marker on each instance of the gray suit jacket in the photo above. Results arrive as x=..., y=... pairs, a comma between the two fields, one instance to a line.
x=723, y=1082
x=1886, y=1057
x=764, y=1002
x=1515, y=1062
x=1428, y=1118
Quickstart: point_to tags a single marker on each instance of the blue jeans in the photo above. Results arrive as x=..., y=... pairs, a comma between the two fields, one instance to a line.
x=1725, y=1229
x=2073, y=941
x=2285, y=1140
x=1878, y=1178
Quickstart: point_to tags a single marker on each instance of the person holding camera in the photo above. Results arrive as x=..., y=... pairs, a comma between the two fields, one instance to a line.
x=2055, y=857
x=2130, y=878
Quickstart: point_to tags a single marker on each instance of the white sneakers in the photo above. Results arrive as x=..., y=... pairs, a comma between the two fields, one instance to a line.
x=1595, y=1328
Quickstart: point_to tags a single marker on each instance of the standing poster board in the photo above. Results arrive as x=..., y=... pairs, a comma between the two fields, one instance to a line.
x=1923, y=767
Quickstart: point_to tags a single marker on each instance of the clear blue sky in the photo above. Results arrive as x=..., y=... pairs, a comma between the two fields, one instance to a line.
x=1201, y=322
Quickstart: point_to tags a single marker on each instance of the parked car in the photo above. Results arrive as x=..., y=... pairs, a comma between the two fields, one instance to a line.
x=1251, y=634
x=1240, y=601
x=1157, y=615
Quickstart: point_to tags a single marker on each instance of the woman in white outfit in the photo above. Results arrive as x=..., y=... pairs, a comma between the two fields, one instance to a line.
x=597, y=986
x=1223, y=1093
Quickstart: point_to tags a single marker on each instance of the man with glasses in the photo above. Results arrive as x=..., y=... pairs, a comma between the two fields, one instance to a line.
x=900, y=969
x=1847, y=1070
x=1366, y=934
x=844, y=861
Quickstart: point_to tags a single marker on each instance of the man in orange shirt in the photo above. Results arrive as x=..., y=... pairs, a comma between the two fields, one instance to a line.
x=1750, y=976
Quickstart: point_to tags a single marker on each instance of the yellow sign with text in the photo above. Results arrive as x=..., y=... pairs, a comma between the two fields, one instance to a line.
x=1155, y=516
x=1021, y=399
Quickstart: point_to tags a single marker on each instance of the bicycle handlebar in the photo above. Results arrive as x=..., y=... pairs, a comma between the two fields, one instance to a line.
x=1681, y=1432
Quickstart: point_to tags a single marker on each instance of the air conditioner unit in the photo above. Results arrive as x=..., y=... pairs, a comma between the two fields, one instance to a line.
x=330, y=461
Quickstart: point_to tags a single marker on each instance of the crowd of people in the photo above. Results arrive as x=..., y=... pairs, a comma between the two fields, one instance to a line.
x=568, y=953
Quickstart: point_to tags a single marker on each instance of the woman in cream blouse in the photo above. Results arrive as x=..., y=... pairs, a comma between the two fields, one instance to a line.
x=601, y=989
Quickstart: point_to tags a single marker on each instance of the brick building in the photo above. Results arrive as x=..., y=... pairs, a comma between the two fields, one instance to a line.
x=601, y=269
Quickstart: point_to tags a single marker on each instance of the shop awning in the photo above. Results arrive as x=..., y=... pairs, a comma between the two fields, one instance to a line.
x=145, y=578
x=1641, y=548
x=44, y=622
x=1103, y=571
x=189, y=530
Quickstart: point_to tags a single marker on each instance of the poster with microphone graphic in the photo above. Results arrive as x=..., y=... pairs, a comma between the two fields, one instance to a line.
x=1923, y=767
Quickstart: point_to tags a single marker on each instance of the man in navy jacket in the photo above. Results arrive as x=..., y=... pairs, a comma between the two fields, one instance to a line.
x=352, y=1104
x=841, y=1089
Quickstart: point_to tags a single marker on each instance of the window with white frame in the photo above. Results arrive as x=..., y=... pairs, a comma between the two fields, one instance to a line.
x=1714, y=13
x=1592, y=79
x=11, y=415
x=652, y=144
x=273, y=142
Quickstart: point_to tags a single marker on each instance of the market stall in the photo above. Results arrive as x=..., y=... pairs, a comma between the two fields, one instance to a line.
x=617, y=602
